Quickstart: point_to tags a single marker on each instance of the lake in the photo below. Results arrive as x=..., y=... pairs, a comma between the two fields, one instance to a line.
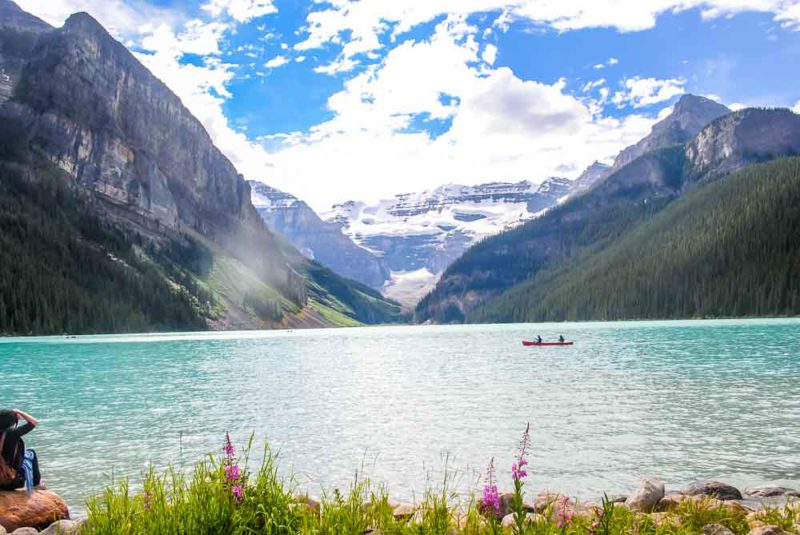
x=678, y=400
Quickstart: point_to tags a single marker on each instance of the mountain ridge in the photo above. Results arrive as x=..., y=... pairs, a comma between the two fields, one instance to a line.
x=631, y=194
x=80, y=101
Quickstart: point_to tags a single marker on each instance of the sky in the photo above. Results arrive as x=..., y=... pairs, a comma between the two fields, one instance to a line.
x=335, y=100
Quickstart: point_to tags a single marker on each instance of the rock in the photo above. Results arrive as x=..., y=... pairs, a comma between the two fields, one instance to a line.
x=3, y=531
x=25, y=531
x=664, y=519
x=403, y=511
x=716, y=529
x=715, y=489
x=38, y=510
x=507, y=505
x=770, y=492
x=672, y=501
x=649, y=493
x=543, y=500
x=618, y=498
x=508, y=521
x=62, y=527
x=768, y=530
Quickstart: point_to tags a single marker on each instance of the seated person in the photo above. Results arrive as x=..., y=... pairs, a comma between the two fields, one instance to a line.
x=19, y=467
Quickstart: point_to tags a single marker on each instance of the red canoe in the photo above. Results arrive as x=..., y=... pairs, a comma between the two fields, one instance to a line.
x=528, y=344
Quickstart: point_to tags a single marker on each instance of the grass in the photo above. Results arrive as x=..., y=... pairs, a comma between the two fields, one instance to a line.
x=206, y=503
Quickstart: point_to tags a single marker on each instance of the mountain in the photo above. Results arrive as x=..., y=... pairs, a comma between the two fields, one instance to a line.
x=418, y=235
x=590, y=223
x=729, y=247
x=689, y=115
x=144, y=174
x=317, y=239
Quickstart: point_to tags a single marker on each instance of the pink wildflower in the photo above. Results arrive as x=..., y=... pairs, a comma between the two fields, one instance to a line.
x=517, y=469
x=228, y=448
x=238, y=492
x=490, y=503
x=232, y=472
x=148, y=500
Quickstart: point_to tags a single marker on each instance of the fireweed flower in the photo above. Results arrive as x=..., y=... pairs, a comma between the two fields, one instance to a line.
x=564, y=514
x=232, y=472
x=238, y=492
x=490, y=503
x=148, y=500
x=228, y=448
x=518, y=471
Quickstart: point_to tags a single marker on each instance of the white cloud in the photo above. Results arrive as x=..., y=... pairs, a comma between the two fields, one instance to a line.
x=277, y=61
x=639, y=92
x=500, y=127
x=796, y=108
x=489, y=54
x=122, y=18
x=240, y=10
x=611, y=61
x=364, y=21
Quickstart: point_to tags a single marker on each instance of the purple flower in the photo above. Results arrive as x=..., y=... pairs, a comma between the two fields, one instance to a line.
x=148, y=500
x=490, y=502
x=228, y=448
x=517, y=469
x=238, y=492
x=232, y=472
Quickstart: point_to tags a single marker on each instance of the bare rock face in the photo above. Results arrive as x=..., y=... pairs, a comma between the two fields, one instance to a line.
x=645, y=498
x=118, y=131
x=39, y=510
x=743, y=138
x=690, y=114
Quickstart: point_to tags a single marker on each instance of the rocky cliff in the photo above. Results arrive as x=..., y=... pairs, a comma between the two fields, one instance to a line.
x=80, y=99
x=317, y=239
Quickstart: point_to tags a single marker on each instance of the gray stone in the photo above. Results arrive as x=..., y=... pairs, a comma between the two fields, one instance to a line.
x=715, y=489
x=768, y=530
x=25, y=531
x=770, y=492
x=716, y=529
x=646, y=496
x=62, y=527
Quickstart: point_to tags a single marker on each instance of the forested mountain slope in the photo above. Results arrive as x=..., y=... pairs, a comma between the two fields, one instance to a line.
x=729, y=247
x=145, y=181
x=593, y=221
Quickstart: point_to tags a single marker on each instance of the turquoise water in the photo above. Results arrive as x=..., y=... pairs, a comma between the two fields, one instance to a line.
x=678, y=400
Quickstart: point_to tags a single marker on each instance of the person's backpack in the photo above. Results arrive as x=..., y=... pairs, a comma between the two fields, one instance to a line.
x=8, y=473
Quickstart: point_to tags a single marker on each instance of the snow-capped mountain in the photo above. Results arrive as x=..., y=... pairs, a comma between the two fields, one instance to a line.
x=418, y=235
x=314, y=238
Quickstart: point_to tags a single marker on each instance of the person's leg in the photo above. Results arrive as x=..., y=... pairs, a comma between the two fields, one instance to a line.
x=37, y=476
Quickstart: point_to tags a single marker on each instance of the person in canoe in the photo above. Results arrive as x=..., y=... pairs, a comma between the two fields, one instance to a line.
x=561, y=339
x=19, y=467
x=539, y=339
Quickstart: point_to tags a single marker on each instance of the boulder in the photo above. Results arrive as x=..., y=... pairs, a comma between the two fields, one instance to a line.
x=508, y=521
x=62, y=527
x=39, y=510
x=771, y=492
x=25, y=531
x=507, y=504
x=715, y=489
x=645, y=498
x=403, y=511
x=543, y=500
x=716, y=529
x=672, y=501
x=768, y=530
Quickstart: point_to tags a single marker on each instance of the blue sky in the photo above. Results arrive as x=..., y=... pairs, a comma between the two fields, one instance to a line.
x=340, y=99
